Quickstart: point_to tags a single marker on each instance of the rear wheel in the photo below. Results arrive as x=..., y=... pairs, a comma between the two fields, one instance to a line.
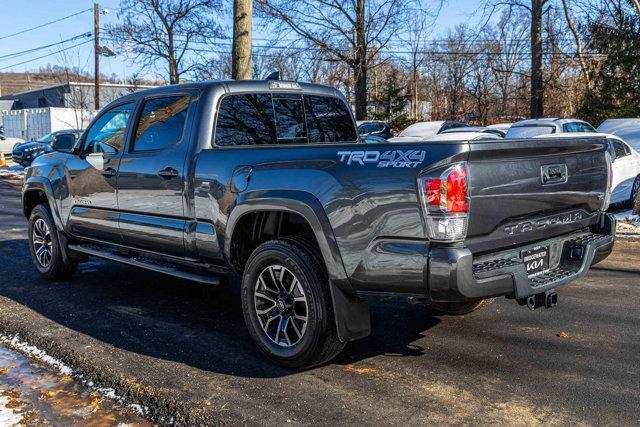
x=45, y=246
x=287, y=305
x=459, y=308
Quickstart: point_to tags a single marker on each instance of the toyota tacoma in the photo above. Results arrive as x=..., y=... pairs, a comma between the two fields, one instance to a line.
x=268, y=181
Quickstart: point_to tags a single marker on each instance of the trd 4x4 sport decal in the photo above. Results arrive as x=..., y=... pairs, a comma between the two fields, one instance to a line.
x=386, y=159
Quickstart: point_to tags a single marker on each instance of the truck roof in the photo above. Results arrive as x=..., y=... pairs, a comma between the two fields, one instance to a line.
x=240, y=86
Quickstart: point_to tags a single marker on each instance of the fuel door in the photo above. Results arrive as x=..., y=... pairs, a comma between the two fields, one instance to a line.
x=240, y=179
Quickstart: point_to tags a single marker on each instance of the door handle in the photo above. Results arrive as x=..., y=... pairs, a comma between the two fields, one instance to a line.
x=168, y=173
x=109, y=172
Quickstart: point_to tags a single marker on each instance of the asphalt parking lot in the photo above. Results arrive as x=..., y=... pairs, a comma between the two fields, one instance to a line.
x=181, y=349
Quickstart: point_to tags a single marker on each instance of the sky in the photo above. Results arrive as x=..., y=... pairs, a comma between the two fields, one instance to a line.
x=18, y=15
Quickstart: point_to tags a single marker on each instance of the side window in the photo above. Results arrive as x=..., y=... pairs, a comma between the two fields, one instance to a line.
x=107, y=133
x=585, y=127
x=619, y=149
x=328, y=120
x=245, y=120
x=364, y=129
x=161, y=123
x=577, y=127
x=290, y=123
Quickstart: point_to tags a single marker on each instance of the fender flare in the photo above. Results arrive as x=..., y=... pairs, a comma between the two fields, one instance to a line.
x=351, y=312
x=42, y=184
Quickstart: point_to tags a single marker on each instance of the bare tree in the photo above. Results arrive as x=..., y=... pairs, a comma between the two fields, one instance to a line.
x=350, y=31
x=579, y=50
x=166, y=31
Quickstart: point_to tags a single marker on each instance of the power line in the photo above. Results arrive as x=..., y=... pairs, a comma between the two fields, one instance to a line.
x=44, y=25
x=35, y=49
x=45, y=56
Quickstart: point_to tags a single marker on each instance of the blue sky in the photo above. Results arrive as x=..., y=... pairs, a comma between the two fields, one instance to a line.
x=17, y=15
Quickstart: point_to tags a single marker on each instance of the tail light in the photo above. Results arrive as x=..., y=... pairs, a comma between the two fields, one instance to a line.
x=607, y=194
x=445, y=199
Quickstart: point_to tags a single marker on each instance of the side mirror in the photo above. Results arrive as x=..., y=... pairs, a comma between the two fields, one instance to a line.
x=64, y=142
x=2, y=137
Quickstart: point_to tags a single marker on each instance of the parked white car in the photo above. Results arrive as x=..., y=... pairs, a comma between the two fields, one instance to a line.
x=627, y=129
x=7, y=144
x=537, y=127
x=625, y=185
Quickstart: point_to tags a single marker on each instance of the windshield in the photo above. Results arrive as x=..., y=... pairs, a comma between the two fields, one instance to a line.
x=46, y=139
x=529, y=131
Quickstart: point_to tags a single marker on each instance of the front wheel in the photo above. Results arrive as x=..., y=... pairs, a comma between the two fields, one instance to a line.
x=287, y=305
x=45, y=246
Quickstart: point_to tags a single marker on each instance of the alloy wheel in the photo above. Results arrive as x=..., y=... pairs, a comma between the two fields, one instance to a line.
x=42, y=244
x=281, y=305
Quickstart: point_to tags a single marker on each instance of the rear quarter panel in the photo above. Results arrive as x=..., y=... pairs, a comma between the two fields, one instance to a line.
x=365, y=200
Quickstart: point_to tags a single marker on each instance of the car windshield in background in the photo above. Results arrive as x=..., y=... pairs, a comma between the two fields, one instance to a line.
x=529, y=131
x=47, y=139
x=283, y=119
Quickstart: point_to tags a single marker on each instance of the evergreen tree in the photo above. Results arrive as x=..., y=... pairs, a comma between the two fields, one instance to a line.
x=393, y=99
x=616, y=82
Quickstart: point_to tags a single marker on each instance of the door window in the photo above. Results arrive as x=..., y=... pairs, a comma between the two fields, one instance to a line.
x=161, y=123
x=107, y=133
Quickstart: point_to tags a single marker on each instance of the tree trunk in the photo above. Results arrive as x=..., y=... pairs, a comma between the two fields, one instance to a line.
x=241, y=62
x=537, y=90
x=174, y=76
x=360, y=66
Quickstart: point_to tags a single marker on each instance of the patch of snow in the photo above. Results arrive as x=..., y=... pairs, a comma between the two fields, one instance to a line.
x=628, y=223
x=35, y=353
x=15, y=343
x=12, y=172
x=8, y=417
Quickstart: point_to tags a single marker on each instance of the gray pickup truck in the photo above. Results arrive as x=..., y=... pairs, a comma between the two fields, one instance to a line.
x=269, y=181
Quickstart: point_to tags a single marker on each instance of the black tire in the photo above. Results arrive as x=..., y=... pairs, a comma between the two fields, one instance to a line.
x=635, y=192
x=460, y=308
x=56, y=268
x=319, y=341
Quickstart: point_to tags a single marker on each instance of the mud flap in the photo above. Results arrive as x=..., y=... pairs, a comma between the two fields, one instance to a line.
x=353, y=320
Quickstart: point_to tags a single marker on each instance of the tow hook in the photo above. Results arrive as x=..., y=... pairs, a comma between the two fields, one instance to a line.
x=546, y=299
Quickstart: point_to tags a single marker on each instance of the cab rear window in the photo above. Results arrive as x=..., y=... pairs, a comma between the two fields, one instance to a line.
x=263, y=119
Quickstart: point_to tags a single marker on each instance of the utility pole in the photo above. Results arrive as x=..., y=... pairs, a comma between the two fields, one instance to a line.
x=96, y=54
x=241, y=62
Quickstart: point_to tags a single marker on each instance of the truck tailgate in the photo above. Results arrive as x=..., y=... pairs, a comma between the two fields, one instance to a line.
x=527, y=190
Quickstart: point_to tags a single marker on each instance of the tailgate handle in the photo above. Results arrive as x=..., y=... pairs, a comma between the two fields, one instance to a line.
x=553, y=174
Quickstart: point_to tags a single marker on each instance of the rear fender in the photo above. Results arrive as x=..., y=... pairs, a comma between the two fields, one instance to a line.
x=351, y=312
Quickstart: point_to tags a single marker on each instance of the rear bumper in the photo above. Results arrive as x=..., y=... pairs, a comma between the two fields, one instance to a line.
x=454, y=274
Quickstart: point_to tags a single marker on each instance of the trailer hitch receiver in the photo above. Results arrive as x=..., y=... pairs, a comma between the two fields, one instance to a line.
x=546, y=299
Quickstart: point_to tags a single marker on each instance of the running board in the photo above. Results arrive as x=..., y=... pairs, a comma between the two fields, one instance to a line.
x=141, y=261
